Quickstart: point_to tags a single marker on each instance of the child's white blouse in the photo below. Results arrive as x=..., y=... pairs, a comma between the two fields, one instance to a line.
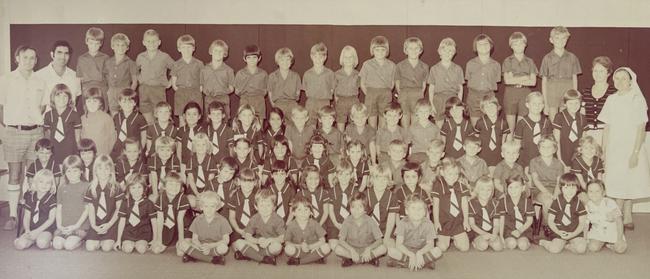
x=603, y=228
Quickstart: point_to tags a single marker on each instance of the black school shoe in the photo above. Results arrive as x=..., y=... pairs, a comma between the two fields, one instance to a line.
x=431, y=265
x=218, y=260
x=346, y=263
x=293, y=261
x=269, y=260
x=240, y=257
x=320, y=261
x=374, y=262
x=187, y=258
x=548, y=233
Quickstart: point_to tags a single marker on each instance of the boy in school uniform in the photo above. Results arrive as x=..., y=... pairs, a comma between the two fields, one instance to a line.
x=284, y=83
x=472, y=165
x=396, y=160
x=90, y=65
x=392, y=131
x=346, y=88
x=508, y=166
x=153, y=65
x=361, y=131
x=251, y=82
x=129, y=122
x=560, y=69
x=446, y=79
x=482, y=74
x=217, y=79
x=377, y=79
x=162, y=126
x=411, y=173
x=567, y=219
x=519, y=75
x=185, y=73
x=531, y=128
x=119, y=71
x=299, y=133
x=318, y=81
x=421, y=132
x=131, y=163
x=411, y=78
x=569, y=125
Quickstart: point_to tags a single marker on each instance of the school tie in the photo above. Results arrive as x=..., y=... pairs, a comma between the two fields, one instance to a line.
x=220, y=192
x=134, y=217
x=162, y=176
x=280, y=206
x=590, y=174
x=59, y=133
x=519, y=220
x=122, y=135
x=314, y=206
x=87, y=173
x=169, y=219
x=458, y=139
x=101, y=206
x=493, y=137
x=573, y=134
x=35, y=212
x=246, y=213
x=537, y=133
x=126, y=178
x=190, y=137
x=317, y=163
x=486, y=224
x=215, y=143
x=454, y=209
x=344, y=206
x=200, y=178
x=566, y=215
x=376, y=212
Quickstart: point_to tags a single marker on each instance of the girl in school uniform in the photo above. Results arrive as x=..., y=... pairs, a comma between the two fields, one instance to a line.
x=450, y=206
x=341, y=192
x=163, y=126
x=40, y=212
x=605, y=226
x=569, y=125
x=317, y=156
x=62, y=124
x=104, y=198
x=492, y=129
x=241, y=203
x=567, y=219
x=311, y=187
x=186, y=134
x=280, y=151
x=244, y=154
x=223, y=182
x=219, y=132
x=162, y=162
x=87, y=153
x=172, y=216
x=359, y=161
x=383, y=202
x=136, y=227
x=483, y=217
x=516, y=214
x=283, y=187
x=200, y=168
x=130, y=163
x=587, y=164
x=274, y=127
x=246, y=125
x=455, y=128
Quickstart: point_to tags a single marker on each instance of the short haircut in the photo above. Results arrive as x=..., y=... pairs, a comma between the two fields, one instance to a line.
x=249, y=175
x=569, y=178
x=359, y=108
x=192, y=105
x=120, y=38
x=22, y=48
x=571, y=94
x=282, y=53
x=151, y=33
x=490, y=98
x=72, y=162
x=422, y=103
x=59, y=89
x=446, y=43
x=484, y=180
x=393, y=106
x=351, y=50
x=362, y=198
x=132, y=141
x=516, y=177
x=381, y=170
x=472, y=140
x=44, y=175
x=344, y=165
x=228, y=162
x=517, y=36
x=560, y=30
x=209, y=198
x=437, y=144
x=266, y=194
x=586, y=140
x=163, y=104
x=534, y=94
x=61, y=43
x=252, y=50
x=216, y=106
x=512, y=144
x=95, y=33
x=279, y=165
x=379, y=41
x=481, y=37
x=326, y=111
x=319, y=48
x=164, y=141
x=300, y=200
x=413, y=40
x=412, y=166
x=218, y=43
x=354, y=143
x=135, y=179
x=597, y=182
x=603, y=61
x=547, y=138
x=453, y=102
x=201, y=136
x=43, y=143
x=172, y=176
x=127, y=93
x=299, y=109
x=185, y=40
x=86, y=144
x=413, y=199
x=94, y=93
x=399, y=143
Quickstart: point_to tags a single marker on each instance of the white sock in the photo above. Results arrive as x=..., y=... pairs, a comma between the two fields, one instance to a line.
x=13, y=196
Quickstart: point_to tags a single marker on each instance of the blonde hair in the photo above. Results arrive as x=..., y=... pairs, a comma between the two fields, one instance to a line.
x=319, y=48
x=413, y=40
x=151, y=33
x=560, y=30
x=512, y=144
x=185, y=40
x=490, y=98
x=283, y=52
x=95, y=33
x=547, y=138
x=359, y=108
x=351, y=50
x=447, y=43
x=534, y=94
x=103, y=160
x=164, y=141
x=209, y=197
x=44, y=175
x=484, y=181
x=517, y=36
x=61, y=88
x=221, y=44
x=202, y=137
x=120, y=38
x=586, y=140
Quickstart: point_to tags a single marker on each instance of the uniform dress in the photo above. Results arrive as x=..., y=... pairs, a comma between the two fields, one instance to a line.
x=40, y=209
x=185, y=136
x=318, y=199
x=220, y=139
x=340, y=201
x=571, y=130
x=381, y=207
x=284, y=196
x=105, y=204
x=130, y=126
x=124, y=169
x=160, y=168
x=154, y=131
x=37, y=165
x=530, y=133
x=170, y=209
x=483, y=216
x=455, y=134
x=201, y=170
x=404, y=192
x=450, y=205
x=244, y=208
x=491, y=135
x=138, y=215
x=515, y=214
x=62, y=134
x=566, y=214
x=588, y=170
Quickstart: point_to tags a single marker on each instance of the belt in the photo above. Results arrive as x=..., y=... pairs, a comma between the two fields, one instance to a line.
x=24, y=127
x=519, y=86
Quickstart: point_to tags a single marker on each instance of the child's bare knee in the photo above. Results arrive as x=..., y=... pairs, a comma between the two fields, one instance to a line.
x=127, y=247
x=511, y=243
x=620, y=248
x=222, y=249
x=58, y=243
x=275, y=248
x=239, y=244
x=141, y=247
x=290, y=250
x=394, y=253
x=325, y=248
x=92, y=245
x=107, y=245
x=523, y=244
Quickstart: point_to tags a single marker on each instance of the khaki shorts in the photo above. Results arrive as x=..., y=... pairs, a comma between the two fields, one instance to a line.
x=285, y=105
x=514, y=100
x=555, y=89
x=439, y=101
x=313, y=105
x=257, y=102
x=184, y=96
x=114, y=98
x=150, y=96
x=224, y=99
x=19, y=144
x=377, y=99
x=407, y=99
x=343, y=105
x=474, y=98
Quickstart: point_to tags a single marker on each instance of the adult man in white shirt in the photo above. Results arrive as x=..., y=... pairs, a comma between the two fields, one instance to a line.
x=58, y=72
x=21, y=119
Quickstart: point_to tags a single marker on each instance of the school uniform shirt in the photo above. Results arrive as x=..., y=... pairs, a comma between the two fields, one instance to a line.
x=588, y=170
x=185, y=136
x=502, y=171
x=71, y=199
x=138, y=221
x=154, y=131
x=292, y=165
x=40, y=209
x=560, y=67
x=483, y=77
x=130, y=126
x=244, y=207
x=201, y=170
x=153, y=71
x=318, y=85
x=273, y=227
x=223, y=190
x=124, y=169
x=249, y=84
x=221, y=139
x=120, y=74
x=360, y=235
x=396, y=170
x=547, y=173
x=310, y=235
x=87, y=172
x=318, y=201
x=187, y=74
x=566, y=214
x=90, y=68
x=266, y=138
x=37, y=165
x=518, y=68
x=346, y=85
x=210, y=231
x=403, y=192
x=324, y=165
x=512, y=219
x=254, y=136
x=104, y=210
x=415, y=236
x=483, y=215
x=284, y=197
x=216, y=82
x=385, y=137
x=603, y=229
x=420, y=136
x=473, y=171
x=491, y=135
x=455, y=134
x=156, y=165
x=284, y=88
x=593, y=107
x=529, y=133
x=378, y=75
x=340, y=200
x=366, y=136
x=62, y=134
x=335, y=141
x=409, y=76
x=248, y=163
x=446, y=79
x=571, y=129
x=442, y=191
x=380, y=207
x=299, y=139
x=361, y=169
x=170, y=209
